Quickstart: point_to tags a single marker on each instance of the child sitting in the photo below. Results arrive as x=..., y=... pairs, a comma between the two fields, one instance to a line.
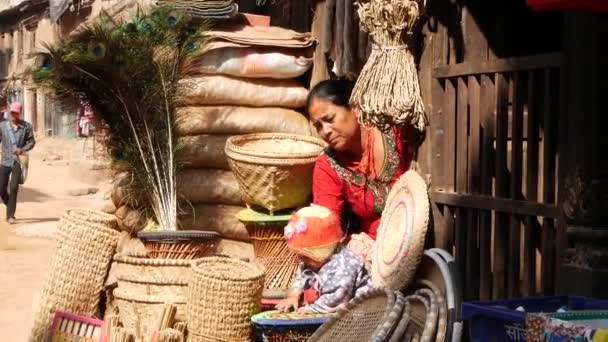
x=329, y=274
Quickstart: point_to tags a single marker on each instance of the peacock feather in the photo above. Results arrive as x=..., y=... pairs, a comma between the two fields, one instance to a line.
x=129, y=73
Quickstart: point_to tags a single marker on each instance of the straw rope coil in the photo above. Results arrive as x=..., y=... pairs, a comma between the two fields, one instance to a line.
x=271, y=251
x=274, y=170
x=387, y=91
x=442, y=320
x=430, y=326
x=222, y=297
x=86, y=241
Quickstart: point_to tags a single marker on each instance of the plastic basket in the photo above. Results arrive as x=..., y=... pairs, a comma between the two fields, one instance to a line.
x=272, y=326
x=500, y=321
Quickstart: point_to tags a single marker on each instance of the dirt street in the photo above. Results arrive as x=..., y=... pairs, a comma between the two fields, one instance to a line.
x=25, y=254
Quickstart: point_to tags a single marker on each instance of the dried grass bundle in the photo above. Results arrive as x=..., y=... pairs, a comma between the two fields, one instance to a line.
x=387, y=90
x=121, y=335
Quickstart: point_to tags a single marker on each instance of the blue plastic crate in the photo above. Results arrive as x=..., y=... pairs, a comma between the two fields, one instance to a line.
x=498, y=321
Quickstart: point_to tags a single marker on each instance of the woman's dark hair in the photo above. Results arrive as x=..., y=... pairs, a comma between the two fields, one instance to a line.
x=334, y=91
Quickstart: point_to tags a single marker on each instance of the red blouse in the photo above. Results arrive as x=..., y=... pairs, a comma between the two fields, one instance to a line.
x=333, y=183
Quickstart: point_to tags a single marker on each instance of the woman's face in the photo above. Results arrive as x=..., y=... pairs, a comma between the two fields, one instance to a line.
x=336, y=125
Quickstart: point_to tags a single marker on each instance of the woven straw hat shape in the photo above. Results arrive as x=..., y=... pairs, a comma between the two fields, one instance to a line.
x=403, y=226
x=274, y=170
x=86, y=241
x=223, y=295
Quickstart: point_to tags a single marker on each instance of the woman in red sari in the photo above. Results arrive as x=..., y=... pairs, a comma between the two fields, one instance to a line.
x=356, y=172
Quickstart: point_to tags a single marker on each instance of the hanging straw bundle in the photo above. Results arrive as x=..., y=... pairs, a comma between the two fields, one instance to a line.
x=387, y=90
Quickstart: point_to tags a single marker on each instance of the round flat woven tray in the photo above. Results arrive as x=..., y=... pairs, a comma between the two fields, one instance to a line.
x=402, y=231
x=180, y=235
x=368, y=317
x=259, y=217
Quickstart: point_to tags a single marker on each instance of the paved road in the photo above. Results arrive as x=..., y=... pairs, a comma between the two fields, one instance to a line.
x=25, y=255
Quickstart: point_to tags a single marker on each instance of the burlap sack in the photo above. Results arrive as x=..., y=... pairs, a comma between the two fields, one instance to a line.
x=236, y=249
x=126, y=192
x=216, y=218
x=204, y=151
x=224, y=90
x=209, y=186
x=252, y=63
x=109, y=207
x=260, y=36
x=130, y=220
x=240, y=120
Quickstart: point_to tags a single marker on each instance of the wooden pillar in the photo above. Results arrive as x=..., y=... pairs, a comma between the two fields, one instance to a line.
x=40, y=110
x=582, y=251
x=8, y=52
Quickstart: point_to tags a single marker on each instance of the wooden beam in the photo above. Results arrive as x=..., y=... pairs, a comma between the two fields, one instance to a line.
x=499, y=65
x=502, y=205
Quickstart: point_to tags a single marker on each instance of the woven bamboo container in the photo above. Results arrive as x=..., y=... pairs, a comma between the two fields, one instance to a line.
x=153, y=276
x=274, y=170
x=86, y=241
x=271, y=251
x=145, y=285
x=141, y=313
x=222, y=297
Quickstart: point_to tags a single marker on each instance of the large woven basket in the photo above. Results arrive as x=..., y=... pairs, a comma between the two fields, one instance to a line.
x=86, y=241
x=222, y=297
x=141, y=313
x=145, y=285
x=274, y=170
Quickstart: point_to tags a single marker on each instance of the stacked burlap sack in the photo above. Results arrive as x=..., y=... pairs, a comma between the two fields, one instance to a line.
x=127, y=203
x=245, y=84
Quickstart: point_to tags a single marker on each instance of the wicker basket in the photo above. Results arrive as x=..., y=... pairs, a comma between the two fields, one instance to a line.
x=269, y=175
x=367, y=317
x=86, y=241
x=179, y=245
x=271, y=251
x=222, y=297
x=145, y=285
x=141, y=313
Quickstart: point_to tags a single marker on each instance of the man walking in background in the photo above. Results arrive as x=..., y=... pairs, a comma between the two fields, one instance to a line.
x=16, y=139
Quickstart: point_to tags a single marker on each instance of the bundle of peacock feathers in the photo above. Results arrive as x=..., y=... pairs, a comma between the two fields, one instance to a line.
x=129, y=73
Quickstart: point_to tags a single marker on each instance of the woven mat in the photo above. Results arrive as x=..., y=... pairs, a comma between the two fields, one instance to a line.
x=226, y=12
x=262, y=36
x=202, y=4
x=402, y=231
x=253, y=216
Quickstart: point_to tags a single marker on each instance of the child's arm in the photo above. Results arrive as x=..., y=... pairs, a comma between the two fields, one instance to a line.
x=293, y=297
x=348, y=277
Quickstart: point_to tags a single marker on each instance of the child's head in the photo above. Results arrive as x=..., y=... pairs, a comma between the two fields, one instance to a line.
x=314, y=233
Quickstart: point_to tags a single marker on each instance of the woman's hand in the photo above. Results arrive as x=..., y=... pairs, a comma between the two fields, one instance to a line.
x=289, y=303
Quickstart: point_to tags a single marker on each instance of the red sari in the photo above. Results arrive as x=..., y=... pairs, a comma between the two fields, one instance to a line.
x=334, y=183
